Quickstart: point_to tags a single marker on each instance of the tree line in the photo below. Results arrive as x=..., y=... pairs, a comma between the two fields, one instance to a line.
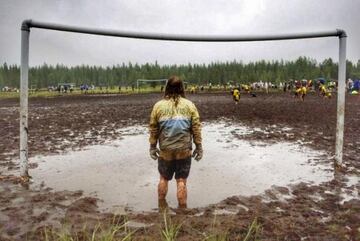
x=215, y=73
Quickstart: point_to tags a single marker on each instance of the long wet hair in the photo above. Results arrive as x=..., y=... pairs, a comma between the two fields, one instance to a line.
x=174, y=89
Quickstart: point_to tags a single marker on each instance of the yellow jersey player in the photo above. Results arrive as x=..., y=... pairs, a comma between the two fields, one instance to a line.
x=301, y=90
x=246, y=88
x=236, y=95
x=324, y=92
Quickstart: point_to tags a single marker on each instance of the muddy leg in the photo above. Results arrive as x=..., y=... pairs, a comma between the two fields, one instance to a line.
x=163, y=205
x=181, y=192
x=162, y=191
x=162, y=188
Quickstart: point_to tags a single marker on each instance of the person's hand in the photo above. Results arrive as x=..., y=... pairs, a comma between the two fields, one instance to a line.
x=198, y=152
x=154, y=152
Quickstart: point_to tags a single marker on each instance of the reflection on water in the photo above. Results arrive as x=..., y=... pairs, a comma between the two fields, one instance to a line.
x=123, y=176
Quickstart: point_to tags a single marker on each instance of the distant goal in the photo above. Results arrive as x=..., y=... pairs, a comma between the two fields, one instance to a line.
x=149, y=83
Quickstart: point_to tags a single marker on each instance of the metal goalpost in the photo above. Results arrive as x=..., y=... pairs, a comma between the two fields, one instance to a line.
x=24, y=70
x=138, y=81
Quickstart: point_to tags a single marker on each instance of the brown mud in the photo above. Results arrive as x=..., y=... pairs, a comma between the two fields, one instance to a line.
x=300, y=212
x=230, y=166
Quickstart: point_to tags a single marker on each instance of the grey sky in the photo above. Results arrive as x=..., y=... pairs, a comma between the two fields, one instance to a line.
x=176, y=16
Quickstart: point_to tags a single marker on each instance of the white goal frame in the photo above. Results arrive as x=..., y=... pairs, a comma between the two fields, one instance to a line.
x=138, y=81
x=24, y=70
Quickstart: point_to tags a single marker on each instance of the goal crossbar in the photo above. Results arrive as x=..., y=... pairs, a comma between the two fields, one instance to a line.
x=24, y=69
x=27, y=24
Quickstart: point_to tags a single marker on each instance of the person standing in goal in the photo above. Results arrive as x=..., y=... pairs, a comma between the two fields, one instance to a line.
x=174, y=124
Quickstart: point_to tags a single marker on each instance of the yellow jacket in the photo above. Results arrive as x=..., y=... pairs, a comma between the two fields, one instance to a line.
x=236, y=92
x=174, y=127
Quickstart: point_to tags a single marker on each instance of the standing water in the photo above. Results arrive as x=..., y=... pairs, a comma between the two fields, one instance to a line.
x=122, y=174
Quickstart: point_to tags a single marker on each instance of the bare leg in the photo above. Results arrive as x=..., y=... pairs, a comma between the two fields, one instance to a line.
x=162, y=205
x=181, y=192
x=162, y=188
x=162, y=191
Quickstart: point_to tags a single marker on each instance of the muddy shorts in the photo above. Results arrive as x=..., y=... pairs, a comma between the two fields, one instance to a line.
x=181, y=168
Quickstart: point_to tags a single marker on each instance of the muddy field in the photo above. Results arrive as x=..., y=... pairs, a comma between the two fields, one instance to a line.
x=329, y=210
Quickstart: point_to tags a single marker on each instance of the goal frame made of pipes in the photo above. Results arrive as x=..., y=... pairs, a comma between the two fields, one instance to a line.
x=24, y=69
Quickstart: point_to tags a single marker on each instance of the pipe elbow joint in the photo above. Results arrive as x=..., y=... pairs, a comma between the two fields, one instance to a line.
x=341, y=33
x=26, y=24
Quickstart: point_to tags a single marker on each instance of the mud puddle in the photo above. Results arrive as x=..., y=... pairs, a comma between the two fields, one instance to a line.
x=123, y=176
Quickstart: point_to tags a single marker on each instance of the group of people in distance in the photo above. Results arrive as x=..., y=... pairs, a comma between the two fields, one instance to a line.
x=302, y=88
x=299, y=88
x=235, y=92
x=353, y=86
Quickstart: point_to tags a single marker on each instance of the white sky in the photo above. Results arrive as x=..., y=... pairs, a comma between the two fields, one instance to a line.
x=181, y=17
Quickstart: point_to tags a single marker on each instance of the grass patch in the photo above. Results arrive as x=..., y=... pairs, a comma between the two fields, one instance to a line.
x=116, y=231
x=254, y=231
x=169, y=230
x=220, y=236
x=48, y=94
x=216, y=235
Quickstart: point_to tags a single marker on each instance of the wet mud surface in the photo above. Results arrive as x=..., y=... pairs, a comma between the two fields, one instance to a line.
x=229, y=167
x=326, y=210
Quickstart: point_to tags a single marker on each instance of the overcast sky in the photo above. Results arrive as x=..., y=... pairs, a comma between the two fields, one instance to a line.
x=180, y=17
